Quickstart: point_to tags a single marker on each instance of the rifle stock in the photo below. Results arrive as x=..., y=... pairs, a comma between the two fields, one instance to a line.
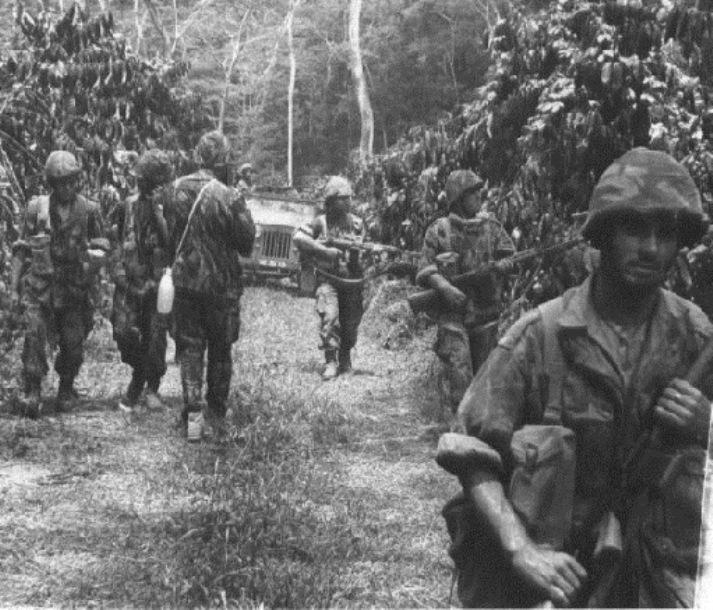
x=427, y=299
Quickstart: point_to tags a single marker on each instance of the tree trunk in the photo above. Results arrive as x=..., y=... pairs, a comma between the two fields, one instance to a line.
x=139, y=26
x=228, y=67
x=366, y=139
x=291, y=89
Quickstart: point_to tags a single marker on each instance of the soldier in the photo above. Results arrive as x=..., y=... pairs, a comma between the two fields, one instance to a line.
x=340, y=278
x=139, y=331
x=463, y=241
x=245, y=178
x=54, y=272
x=601, y=364
x=209, y=226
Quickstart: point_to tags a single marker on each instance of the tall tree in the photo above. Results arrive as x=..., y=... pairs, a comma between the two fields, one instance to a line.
x=366, y=139
x=291, y=88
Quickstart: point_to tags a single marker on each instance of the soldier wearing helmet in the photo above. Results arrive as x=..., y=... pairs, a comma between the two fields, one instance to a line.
x=245, y=178
x=339, y=276
x=54, y=277
x=209, y=226
x=596, y=370
x=465, y=240
x=139, y=331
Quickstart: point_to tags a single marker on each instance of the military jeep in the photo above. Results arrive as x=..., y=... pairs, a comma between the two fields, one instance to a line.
x=276, y=216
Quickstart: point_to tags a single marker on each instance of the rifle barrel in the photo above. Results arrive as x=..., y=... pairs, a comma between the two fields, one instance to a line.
x=421, y=301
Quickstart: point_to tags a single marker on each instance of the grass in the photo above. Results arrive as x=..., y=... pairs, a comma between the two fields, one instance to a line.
x=323, y=495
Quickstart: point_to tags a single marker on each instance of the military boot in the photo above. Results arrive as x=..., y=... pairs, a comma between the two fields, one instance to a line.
x=345, y=361
x=152, y=399
x=331, y=369
x=130, y=399
x=31, y=404
x=66, y=395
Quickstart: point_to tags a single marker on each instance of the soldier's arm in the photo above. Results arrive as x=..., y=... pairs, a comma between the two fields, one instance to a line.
x=306, y=239
x=243, y=229
x=499, y=400
x=159, y=202
x=429, y=274
x=20, y=247
x=95, y=223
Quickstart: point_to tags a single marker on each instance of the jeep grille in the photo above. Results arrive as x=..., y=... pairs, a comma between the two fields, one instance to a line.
x=276, y=244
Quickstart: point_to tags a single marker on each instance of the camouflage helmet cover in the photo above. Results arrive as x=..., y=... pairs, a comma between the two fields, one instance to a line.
x=61, y=164
x=645, y=181
x=154, y=166
x=337, y=186
x=212, y=149
x=459, y=182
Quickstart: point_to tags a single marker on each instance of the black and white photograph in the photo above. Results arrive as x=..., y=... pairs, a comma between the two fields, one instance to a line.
x=356, y=303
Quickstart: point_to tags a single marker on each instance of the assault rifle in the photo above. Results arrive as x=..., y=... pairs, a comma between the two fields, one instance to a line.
x=363, y=246
x=426, y=299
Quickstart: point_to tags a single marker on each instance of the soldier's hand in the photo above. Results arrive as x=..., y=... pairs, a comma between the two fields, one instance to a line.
x=685, y=409
x=557, y=576
x=505, y=266
x=453, y=296
x=332, y=254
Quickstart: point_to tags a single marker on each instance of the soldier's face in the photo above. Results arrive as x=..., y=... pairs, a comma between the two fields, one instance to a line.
x=65, y=190
x=641, y=250
x=470, y=204
x=339, y=205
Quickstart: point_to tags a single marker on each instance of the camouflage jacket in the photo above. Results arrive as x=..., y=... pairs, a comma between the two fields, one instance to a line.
x=604, y=401
x=352, y=228
x=56, y=269
x=476, y=242
x=142, y=252
x=220, y=230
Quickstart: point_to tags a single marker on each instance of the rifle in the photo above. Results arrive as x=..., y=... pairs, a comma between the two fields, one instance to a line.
x=364, y=246
x=426, y=299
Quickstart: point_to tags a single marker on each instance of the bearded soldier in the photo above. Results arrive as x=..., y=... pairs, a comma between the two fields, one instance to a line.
x=209, y=226
x=139, y=331
x=54, y=275
x=465, y=240
x=584, y=414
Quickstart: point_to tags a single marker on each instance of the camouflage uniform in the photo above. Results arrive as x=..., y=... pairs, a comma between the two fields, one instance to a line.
x=56, y=285
x=207, y=277
x=138, y=329
x=465, y=338
x=565, y=366
x=609, y=382
x=340, y=308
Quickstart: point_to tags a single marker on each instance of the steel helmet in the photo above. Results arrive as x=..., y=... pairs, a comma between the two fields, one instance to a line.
x=459, y=182
x=61, y=164
x=245, y=167
x=154, y=166
x=645, y=181
x=212, y=149
x=337, y=186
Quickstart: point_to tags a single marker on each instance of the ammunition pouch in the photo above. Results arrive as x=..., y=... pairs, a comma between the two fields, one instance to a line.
x=541, y=490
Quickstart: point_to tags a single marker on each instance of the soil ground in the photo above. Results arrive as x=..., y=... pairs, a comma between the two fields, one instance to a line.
x=325, y=494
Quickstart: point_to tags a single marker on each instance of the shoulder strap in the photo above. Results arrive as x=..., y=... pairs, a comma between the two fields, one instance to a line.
x=190, y=216
x=552, y=360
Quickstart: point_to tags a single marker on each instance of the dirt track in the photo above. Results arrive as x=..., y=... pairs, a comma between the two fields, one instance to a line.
x=98, y=508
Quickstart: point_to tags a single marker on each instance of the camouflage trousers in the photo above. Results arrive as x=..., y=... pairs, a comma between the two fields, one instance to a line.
x=462, y=351
x=205, y=323
x=340, y=312
x=65, y=327
x=140, y=334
